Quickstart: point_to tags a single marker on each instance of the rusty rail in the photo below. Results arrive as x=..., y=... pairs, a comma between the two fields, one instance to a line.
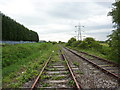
x=36, y=80
x=97, y=57
x=104, y=70
x=71, y=72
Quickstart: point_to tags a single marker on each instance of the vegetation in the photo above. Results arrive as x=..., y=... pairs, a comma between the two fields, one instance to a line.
x=91, y=46
x=76, y=64
x=13, y=31
x=71, y=82
x=109, y=49
x=114, y=38
x=14, y=53
x=25, y=65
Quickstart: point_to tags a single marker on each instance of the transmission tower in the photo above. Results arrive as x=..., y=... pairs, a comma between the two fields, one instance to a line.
x=79, y=31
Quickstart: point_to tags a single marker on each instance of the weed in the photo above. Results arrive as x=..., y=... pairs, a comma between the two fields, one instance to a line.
x=51, y=69
x=76, y=64
x=71, y=82
x=58, y=77
x=45, y=77
x=45, y=85
x=79, y=72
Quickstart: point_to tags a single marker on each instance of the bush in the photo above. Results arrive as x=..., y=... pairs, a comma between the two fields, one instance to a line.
x=70, y=42
x=90, y=43
x=87, y=43
x=76, y=43
x=83, y=45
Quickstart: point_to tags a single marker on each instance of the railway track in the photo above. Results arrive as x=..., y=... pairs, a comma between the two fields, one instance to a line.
x=57, y=73
x=107, y=67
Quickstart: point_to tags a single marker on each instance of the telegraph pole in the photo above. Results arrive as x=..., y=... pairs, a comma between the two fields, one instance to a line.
x=79, y=31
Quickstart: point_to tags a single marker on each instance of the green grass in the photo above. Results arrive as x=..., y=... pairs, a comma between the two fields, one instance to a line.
x=14, y=53
x=71, y=82
x=102, y=53
x=51, y=69
x=104, y=44
x=26, y=64
x=44, y=85
x=58, y=77
x=76, y=64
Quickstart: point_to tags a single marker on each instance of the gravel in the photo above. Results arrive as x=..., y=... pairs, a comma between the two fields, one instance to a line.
x=91, y=77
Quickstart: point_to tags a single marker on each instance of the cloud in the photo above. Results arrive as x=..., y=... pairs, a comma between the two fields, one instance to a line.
x=55, y=20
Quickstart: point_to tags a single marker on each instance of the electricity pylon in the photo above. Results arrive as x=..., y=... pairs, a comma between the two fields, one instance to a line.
x=79, y=31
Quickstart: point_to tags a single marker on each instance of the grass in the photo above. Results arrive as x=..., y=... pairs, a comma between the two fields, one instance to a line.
x=76, y=64
x=51, y=69
x=104, y=44
x=44, y=85
x=71, y=82
x=79, y=72
x=58, y=77
x=25, y=67
x=102, y=53
x=14, y=53
x=45, y=77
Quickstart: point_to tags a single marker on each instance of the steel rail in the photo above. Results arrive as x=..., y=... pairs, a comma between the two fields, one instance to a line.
x=36, y=80
x=98, y=58
x=104, y=70
x=71, y=72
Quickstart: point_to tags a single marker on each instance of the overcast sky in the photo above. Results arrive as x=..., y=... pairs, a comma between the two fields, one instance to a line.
x=55, y=20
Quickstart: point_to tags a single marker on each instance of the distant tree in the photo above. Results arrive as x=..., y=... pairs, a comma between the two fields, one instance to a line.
x=76, y=43
x=59, y=42
x=89, y=43
x=83, y=45
x=54, y=42
x=89, y=40
x=70, y=41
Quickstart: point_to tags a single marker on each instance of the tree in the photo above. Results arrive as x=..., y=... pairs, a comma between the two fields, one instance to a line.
x=89, y=43
x=71, y=41
x=13, y=31
x=89, y=40
x=114, y=38
x=76, y=43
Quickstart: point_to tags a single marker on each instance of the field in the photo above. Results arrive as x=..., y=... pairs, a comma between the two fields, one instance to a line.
x=22, y=62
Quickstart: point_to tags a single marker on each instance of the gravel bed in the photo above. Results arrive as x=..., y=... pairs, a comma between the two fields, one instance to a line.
x=91, y=77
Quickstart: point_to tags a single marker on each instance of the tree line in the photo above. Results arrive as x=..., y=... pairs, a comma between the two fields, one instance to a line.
x=87, y=43
x=14, y=31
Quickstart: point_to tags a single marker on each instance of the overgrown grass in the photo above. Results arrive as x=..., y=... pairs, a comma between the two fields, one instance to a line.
x=104, y=52
x=15, y=53
x=26, y=62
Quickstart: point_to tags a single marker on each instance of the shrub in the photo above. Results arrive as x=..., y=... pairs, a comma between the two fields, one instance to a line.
x=70, y=42
x=76, y=43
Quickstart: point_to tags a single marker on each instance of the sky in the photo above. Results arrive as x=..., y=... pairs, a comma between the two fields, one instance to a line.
x=55, y=20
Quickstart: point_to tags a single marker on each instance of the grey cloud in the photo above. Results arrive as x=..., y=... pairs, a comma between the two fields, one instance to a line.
x=107, y=26
x=69, y=10
x=99, y=36
x=104, y=4
x=76, y=10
